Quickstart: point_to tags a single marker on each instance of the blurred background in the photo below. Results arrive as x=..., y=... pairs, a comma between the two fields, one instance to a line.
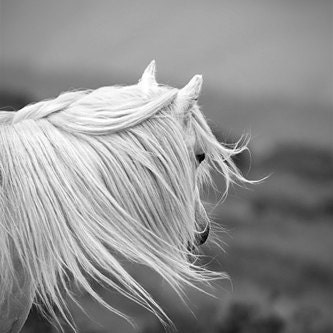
x=268, y=71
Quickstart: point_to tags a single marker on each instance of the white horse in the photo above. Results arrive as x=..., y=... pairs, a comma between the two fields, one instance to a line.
x=94, y=177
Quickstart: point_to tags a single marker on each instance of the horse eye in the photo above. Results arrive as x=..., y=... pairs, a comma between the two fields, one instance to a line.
x=200, y=157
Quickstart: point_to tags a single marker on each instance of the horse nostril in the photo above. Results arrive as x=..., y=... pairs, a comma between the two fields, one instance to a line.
x=200, y=157
x=190, y=247
x=202, y=236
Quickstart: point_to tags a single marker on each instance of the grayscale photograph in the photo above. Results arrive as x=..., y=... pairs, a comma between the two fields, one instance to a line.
x=166, y=166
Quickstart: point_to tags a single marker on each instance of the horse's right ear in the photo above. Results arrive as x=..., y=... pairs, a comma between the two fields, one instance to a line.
x=188, y=95
x=148, y=80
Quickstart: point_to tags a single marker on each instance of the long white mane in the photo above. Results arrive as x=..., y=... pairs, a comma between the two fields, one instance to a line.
x=94, y=177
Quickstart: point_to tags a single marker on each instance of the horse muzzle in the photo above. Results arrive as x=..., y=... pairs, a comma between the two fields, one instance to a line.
x=200, y=238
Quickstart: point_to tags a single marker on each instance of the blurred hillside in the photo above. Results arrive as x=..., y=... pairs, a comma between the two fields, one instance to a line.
x=278, y=250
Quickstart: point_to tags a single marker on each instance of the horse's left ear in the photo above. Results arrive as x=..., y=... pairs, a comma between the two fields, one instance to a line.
x=188, y=95
x=148, y=80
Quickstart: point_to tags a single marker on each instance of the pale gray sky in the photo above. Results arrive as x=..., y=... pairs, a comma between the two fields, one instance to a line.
x=253, y=47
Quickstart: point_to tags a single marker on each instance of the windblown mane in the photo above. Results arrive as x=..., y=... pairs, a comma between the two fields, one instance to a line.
x=92, y=177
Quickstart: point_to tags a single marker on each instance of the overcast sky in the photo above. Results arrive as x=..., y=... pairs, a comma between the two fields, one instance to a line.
x=281, y=47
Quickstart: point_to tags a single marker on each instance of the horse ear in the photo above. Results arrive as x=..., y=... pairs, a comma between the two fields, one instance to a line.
x=188, y=95
x=148, y=80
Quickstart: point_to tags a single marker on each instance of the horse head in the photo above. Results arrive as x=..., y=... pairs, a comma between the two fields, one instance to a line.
x=95, y=175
